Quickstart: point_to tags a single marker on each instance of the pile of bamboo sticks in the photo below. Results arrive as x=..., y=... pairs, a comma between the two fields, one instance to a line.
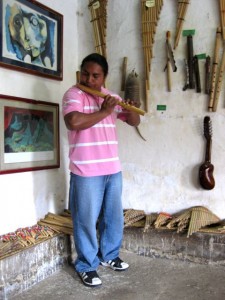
x=181, y=13
x=150, y=12
x=14, y=242
x=98, y=9
x=59, y=223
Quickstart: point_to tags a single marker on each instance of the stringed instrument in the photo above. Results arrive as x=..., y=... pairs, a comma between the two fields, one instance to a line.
x=206, y=177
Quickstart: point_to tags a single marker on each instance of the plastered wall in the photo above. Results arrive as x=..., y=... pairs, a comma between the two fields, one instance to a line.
x=161, y=173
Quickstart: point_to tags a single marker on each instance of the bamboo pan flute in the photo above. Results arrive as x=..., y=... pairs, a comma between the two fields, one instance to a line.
x=200, y=217
x=98, y=9
x=181, y=13
x=102, y=95
x=149, y=19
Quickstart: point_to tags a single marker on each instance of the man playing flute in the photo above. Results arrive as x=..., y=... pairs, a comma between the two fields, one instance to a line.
x=95, y=170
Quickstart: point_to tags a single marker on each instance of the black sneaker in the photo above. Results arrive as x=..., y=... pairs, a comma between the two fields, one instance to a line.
x=116, y=264
x=90, y=278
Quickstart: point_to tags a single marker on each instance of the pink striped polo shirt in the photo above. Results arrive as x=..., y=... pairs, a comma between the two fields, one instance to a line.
x=92, y=151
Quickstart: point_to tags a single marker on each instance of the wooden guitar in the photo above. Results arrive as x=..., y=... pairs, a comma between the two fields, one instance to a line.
x=206, y=169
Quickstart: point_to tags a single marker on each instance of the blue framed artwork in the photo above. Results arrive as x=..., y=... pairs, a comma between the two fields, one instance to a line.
x=29, y=135
x=31, y=38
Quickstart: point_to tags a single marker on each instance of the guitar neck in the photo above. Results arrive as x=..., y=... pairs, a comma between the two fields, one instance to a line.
x=208, y=150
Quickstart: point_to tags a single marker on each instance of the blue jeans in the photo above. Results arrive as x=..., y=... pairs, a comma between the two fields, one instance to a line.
x=96, y=201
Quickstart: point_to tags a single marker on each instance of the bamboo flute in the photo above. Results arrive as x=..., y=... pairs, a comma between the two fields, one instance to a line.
x=102, y=95
x=214, y=68
x=219, y=83
x=168, y=67
x=222, y=64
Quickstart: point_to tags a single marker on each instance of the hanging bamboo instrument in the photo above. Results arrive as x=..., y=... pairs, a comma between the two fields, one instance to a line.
x=222, y=64
x=219, y=82
x=214, y=68
x=181, y=13
x=222, y=17
x=150, y=11
x=102, y=95
x=98, y=9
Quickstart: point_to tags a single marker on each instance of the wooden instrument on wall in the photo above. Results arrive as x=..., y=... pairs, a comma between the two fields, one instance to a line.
x=150, y=12
x=98, y=10
x=214, y=68
x=181, y=13
x=206, y=169
x=222, y=63
x=102, y=95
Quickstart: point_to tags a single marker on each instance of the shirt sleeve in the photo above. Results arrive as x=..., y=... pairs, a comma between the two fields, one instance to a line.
x=72, y=101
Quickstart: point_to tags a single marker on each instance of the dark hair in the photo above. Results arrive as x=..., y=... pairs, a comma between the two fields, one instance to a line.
x=98, y=59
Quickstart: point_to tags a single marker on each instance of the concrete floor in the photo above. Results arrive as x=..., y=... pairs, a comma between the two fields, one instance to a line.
x=147, y=278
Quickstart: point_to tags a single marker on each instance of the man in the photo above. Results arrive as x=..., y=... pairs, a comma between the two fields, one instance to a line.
x=95, y=178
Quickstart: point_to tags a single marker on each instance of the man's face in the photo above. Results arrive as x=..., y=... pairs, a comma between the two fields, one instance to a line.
x=92, y=76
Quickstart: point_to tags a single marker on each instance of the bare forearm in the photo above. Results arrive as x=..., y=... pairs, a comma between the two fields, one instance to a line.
x=79, y=121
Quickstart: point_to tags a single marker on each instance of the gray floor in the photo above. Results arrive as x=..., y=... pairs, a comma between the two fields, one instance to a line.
x=147, y=278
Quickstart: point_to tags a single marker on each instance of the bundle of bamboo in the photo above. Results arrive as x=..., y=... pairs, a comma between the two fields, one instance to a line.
x=59, y=223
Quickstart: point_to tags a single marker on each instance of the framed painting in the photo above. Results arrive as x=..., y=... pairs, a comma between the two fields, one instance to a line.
x=31, y=38
x=29, y=135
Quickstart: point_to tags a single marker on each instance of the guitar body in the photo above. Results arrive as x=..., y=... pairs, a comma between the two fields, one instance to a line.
x=206, y=177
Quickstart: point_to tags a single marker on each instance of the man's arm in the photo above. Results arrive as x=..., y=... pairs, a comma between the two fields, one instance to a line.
x=78, y=121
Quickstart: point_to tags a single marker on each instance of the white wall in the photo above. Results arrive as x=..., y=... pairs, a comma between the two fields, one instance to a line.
x=26, y=197
x=160, y=174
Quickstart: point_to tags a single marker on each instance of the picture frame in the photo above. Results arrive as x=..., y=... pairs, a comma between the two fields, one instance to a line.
x=29, y=135
x=31, y=38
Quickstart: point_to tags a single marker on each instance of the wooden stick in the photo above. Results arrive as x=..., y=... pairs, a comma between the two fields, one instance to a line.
x=102, y=95
x=214, y=68
x=168, y=66
x=77, y=76
x=124, y=73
